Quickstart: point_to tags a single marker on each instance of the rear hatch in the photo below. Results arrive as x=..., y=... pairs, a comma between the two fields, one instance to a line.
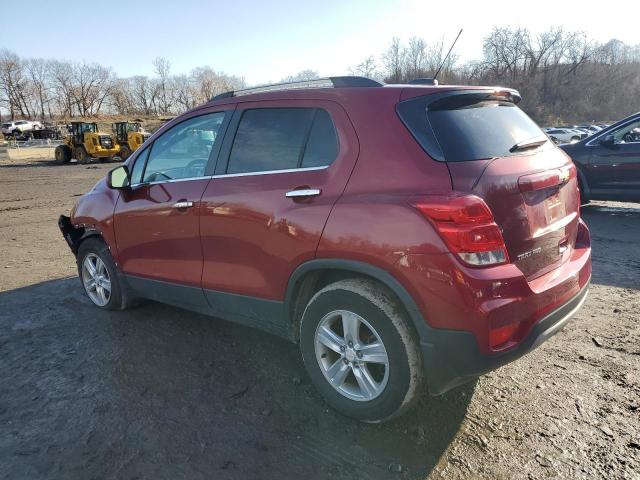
x=495, y=151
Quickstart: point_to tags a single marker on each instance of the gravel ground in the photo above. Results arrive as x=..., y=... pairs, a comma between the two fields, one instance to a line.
x=157, y=392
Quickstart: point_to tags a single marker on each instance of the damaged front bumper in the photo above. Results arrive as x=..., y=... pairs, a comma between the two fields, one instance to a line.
x=70, y=233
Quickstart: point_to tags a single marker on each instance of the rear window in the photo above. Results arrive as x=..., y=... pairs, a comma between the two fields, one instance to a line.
x=466, y=129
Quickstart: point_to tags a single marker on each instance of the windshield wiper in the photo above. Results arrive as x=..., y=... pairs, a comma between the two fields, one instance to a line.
x=531, y=143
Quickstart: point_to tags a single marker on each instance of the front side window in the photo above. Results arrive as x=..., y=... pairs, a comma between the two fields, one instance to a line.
x=183, y=151
x=630, y=133
x=271, y=139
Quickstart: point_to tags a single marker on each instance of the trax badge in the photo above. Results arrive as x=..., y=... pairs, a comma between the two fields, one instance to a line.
x=530, y=253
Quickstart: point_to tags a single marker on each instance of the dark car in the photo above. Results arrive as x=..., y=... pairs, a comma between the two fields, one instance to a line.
x=609, y=162
x=407, y=237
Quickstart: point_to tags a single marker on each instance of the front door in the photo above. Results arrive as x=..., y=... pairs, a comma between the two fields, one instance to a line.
x=157, y=221
x=614, y=169
x=280, y=172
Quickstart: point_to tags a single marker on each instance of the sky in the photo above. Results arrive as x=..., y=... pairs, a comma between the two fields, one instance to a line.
x=265, y=41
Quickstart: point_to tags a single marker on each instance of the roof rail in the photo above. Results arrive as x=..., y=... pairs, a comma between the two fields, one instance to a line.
x=328, y=82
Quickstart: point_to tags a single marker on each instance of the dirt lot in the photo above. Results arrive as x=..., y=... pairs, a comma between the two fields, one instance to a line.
x=157, y=392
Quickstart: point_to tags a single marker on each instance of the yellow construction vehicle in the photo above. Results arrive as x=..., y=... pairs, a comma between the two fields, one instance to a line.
x=86, y=143
x=129, y=136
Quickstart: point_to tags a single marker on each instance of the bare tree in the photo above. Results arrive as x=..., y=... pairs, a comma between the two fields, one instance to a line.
x=14, y=83
x=144, y=93
x=302, y=76
x=366, y=68
x=38, y=71
x=393, y=61
x=163, y=70
x=415, y=58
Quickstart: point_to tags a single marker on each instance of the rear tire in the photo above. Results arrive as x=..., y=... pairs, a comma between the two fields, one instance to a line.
x=63, y=154
x=100, y=278
x=363, y=386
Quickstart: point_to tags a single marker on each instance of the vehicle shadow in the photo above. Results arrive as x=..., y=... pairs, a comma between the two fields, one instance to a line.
x=159, y=392
x=615, y=230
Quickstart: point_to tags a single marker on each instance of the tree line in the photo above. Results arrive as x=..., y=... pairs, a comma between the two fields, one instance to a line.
x=563, y=76
x=42, y=88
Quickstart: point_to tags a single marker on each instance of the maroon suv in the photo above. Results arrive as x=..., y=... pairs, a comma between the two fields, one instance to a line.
x=406, y=236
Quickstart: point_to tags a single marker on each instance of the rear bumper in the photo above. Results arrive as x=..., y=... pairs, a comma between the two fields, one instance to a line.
x=452, y=357
x=460, y=307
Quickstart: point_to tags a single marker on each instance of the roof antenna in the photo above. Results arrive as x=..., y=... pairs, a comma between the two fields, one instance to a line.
x=447, y=56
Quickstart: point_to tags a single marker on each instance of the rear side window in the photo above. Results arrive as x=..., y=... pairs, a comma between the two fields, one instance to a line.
x=466, y=127
x=281, y=139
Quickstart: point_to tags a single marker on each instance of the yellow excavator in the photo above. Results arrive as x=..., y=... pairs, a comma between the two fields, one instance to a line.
x=129, y=136
x=85, y=143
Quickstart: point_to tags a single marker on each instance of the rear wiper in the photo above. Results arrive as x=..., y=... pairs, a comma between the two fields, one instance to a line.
x=531, y=143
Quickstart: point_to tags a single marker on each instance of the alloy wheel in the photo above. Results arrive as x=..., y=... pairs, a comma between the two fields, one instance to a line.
x=96, y=280
x=351, y=355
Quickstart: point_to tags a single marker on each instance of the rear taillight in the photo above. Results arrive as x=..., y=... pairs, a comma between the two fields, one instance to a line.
x=467, y=226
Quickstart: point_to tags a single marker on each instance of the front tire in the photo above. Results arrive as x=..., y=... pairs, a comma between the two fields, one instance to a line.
x=360, y=351
x=99, y=276
x=124, y=152
x=83, y=156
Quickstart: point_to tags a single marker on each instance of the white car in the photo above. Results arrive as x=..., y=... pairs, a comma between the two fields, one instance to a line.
x=19, y=127
x=563, y=135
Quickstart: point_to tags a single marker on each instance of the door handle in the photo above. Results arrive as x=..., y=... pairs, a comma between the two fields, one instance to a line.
x=183, y=204
x=307, y=192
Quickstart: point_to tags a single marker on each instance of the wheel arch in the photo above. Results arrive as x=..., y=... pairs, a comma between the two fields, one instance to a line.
x=313, y=275
x=583, y=186
x=75, y=235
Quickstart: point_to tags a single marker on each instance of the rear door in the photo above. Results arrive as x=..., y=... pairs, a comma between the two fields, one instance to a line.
x=495, y=151
x=280, y=171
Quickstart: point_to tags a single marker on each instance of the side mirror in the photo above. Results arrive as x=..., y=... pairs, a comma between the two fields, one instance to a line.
x=119, y=177
x=608, y=140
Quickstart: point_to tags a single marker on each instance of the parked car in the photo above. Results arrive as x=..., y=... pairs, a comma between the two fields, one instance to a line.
x=608, y=162
x=564, y=135
x=581, y=133
x=19, y=127
x=579, y=129
x=404, y=240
